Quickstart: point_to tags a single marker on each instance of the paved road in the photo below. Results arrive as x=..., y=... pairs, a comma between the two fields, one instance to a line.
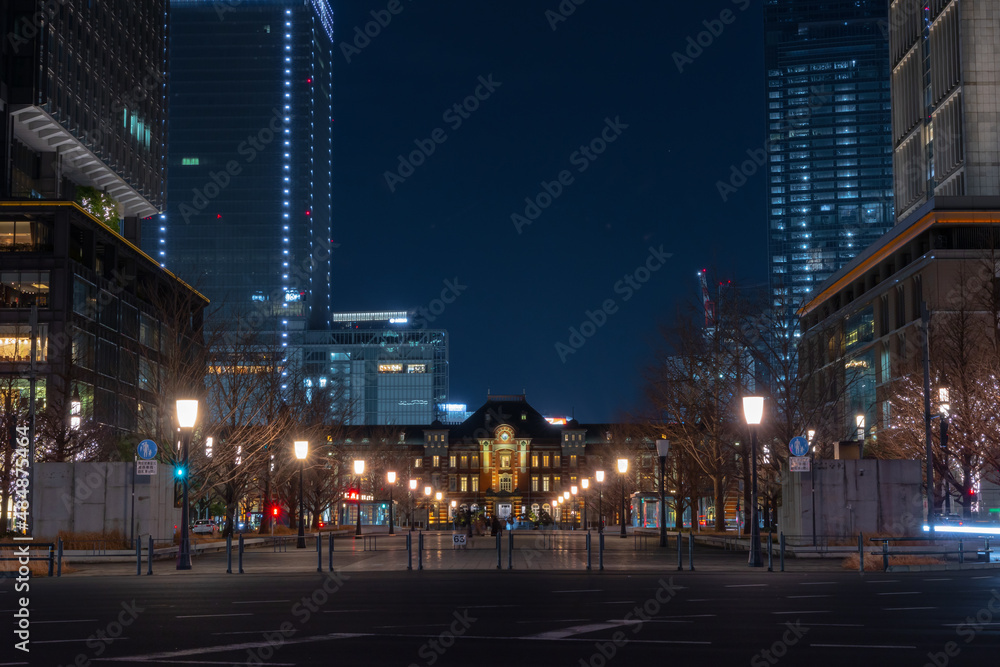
x=515, y=618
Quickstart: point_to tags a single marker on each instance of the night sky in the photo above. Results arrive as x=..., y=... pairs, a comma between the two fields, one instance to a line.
x=520, y=291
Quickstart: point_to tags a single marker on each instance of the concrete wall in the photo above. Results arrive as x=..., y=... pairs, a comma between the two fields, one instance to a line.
x=852, y=496
x=97, y=497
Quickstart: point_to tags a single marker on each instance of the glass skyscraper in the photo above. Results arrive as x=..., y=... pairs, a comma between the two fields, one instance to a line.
x=829, y=138
x=249, y=201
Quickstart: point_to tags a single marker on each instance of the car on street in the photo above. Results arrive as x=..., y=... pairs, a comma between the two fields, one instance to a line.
x=204, y=526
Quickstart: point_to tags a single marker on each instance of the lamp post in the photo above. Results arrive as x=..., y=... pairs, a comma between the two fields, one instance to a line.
x=454, y=512
x=427, y=505
x=359, y=469
x=943, y=410
x=810, y=434
x=860, y=420
x=573, y=490
x=753, y=410
x=623, y=468
x=585, y=483
x=558, y=506
x=413, y=488
x=301, y=451
x=662, y=449
x=392, y=482
x=599, y=477
x=437, y=506
x=187, y=414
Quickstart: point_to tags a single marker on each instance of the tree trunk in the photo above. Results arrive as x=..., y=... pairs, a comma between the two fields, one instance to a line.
x=720, y=503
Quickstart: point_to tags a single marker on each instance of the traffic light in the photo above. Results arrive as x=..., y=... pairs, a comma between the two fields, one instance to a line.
x=179, y=472
x=274, y=511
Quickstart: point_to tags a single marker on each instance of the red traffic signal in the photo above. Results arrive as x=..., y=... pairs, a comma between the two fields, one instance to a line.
x=352, y=494
x=274, y=511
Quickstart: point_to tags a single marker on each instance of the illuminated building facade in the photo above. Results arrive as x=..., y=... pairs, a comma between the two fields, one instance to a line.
x=249, y=199
x=829, y=152
x=386, y=370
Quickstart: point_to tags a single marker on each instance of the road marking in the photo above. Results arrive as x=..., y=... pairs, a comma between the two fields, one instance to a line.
x=75, y=620
x=954, y=625
x=859, y=646
x=745, y=585
x=213, y=615
x=983, y=577
x=796, y=597
x=781, y=613
x=259, y=601
x=901, y=593
x=582, y=590
x=905, y=608
x=225, y=648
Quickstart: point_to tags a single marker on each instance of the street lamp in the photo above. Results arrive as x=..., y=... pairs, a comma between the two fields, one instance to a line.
x=573, y=490
x=413, y=488
x=359, y=469
x=301, y=451
x=585, y=483
x=559, y=507
x=860, y=420
x=437, y=506
x=599, y=476
x=392, y=482
x=187, y=415
x=427, y=505
x=943, y=410
x=662, y=449
x=753, y=410
x=623, y=468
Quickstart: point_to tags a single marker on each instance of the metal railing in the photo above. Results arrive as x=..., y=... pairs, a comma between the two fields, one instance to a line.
x=18, y=555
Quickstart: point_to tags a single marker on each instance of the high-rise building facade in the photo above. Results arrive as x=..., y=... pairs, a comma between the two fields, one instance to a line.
x=945, y=100
x=829, y=142
x=249, y=200
x=384, y=369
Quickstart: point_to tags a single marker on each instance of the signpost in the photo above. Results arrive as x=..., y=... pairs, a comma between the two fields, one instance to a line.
x=145, y=467
x=798, y=446
x=798, y=464
x=145, y=450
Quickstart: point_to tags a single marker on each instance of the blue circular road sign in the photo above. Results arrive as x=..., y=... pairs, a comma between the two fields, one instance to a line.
x=798, y=446
x=146, y=449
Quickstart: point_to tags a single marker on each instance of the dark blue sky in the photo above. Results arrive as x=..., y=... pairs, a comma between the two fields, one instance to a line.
x=654, y=186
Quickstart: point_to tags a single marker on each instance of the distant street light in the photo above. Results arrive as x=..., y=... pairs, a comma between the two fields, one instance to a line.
x=301, y=451
x=623, y=468
x=662, y=449
x=392, y=482
x=427, y=505
x=585, y=483
x=599, y=476
x=413, y=488
x=187, y=415
x=753, y=411
x=359, y=470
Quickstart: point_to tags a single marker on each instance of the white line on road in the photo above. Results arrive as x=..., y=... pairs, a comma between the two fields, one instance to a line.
x=579, y=630
x=905, y=608
x=983, y=577
x=954, y=625
x=213, y=615
x=258, y=601
x=858, y=646
x=225, y=648
x=901, y=593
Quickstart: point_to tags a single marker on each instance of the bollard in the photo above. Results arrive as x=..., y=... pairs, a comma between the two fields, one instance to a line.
x=781, y=550
x=330, y=551
x=680, y=556
x=52, y=560
x=770, y=553
x=149, y=557
x=319, y=553
x=499, y=557
x=600, y=551
x=241, y=554
x=229, y=554
x=691, y=552
x=59, y=555
x=885, y=555
x=420, y=550
x=510, y=549
x=861, y=553
x=588, y=550
x=961, y=553
x=138, y=557
x=409, y=550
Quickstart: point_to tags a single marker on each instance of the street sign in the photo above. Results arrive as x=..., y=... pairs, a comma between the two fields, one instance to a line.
x=459, y=540
x=145, y=467
x=798, y=446
x=798, y=464
x=146, y=449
